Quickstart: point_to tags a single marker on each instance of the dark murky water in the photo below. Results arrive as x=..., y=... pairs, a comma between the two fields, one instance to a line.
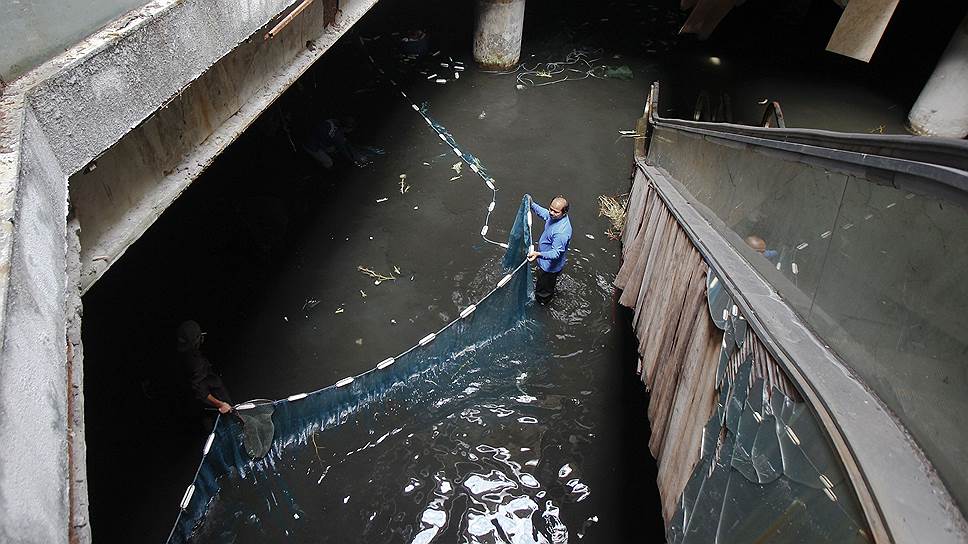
x=263, y=251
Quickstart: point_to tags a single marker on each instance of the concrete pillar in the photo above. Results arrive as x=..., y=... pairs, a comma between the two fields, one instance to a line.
x=942, y=108
x=497, y=33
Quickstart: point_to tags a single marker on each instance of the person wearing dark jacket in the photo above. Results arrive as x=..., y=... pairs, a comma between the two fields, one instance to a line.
x=206, y=384
x=327, y=141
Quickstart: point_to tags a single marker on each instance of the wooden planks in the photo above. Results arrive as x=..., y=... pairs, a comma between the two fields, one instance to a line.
x=691, y=407
x=663, y=277
x=860, y=28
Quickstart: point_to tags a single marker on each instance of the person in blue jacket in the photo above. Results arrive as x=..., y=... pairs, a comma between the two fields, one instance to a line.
x=551, y=248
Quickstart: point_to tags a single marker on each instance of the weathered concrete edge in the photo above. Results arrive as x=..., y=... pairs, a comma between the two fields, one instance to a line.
x=882, y=457
x=38, y=507
x=53, y=81
x=79, y=531
x=34, y=503
x=114, y=243
x=159, y=51
x=11, y=141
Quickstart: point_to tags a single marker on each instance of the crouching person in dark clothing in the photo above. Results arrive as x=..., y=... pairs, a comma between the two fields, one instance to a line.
x=206, y=384
x=327, y=141
x=551, y=248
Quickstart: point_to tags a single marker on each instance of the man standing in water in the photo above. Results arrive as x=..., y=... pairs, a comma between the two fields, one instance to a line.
x=206, y=384
x=552, y=246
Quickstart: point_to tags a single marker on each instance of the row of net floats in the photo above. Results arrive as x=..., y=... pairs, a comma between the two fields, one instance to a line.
x=465, y=313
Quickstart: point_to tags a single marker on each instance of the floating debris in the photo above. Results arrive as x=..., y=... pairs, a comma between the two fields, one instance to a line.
x=309, y=304
x=338, y=311
x=384, y=199
x=455, y=178
x=622, y=72
x=396, y=270
x=614, y=209
x=375, y=275
x=589, y=236
x=363, y=293
x=763, y=101
x=457, y=166
x=482, y=115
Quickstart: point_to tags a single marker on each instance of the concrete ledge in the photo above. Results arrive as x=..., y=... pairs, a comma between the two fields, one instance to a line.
x=33, y=376
x=139, y=177
x=156, y=53
x=177, y=81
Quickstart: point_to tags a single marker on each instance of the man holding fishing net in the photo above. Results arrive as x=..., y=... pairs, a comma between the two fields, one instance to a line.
x=206, y=383
x=551, y=248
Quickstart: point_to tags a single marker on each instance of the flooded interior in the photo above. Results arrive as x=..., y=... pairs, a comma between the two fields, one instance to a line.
x=265, y=252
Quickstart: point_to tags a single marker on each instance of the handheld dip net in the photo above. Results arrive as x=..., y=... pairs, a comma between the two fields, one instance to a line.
x=262, y=465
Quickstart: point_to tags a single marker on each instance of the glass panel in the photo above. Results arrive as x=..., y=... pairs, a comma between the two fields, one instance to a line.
x=717, y=299
x=784, y=513
x=892, y=301
x=766, y=473
x=737, y=395
x=709, y=504
x=778, y=214
x=874, y=269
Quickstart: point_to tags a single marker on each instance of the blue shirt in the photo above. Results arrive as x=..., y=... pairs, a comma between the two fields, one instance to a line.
x=554, y=241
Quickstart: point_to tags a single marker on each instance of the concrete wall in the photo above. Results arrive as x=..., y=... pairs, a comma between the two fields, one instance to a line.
x=136, y=179
x=33, y=374
x=32, y=32
x=157, y=95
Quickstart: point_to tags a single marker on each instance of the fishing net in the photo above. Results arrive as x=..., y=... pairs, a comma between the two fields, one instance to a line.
x=257, y=463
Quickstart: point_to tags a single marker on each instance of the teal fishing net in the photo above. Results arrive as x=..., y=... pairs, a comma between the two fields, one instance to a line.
x=263, y=469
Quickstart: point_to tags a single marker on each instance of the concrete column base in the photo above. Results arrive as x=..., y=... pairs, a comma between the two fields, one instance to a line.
x=942, y=107
x=497, y=33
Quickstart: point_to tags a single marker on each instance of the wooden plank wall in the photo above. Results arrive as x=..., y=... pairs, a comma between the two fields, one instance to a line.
x=663, y=277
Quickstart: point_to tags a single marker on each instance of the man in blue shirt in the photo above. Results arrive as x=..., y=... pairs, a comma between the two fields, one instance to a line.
x=552, y=246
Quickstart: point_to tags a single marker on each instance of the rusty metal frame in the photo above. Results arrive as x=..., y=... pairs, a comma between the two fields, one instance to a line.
x=773, y=110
